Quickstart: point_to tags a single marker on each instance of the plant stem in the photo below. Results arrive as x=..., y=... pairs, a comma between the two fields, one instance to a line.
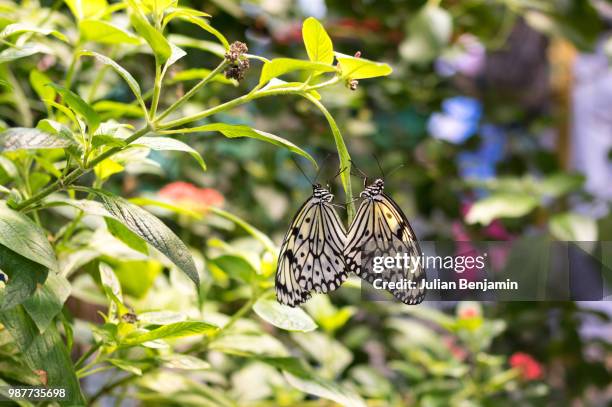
x=192, y=91
x=298, y=90
x=343, y=154
x=84, y=373
x=239, y=314
x=246, y=307
x=87, y=354
x=156, y=91
x=72, y=66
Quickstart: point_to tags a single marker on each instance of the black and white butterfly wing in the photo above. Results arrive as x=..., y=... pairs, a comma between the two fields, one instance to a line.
x=380, y=228
x=311, y=256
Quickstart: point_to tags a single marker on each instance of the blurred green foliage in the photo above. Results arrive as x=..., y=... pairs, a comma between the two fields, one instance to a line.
x=82, y=78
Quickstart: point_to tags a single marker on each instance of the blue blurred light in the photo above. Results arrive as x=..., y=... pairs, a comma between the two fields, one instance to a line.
x=493, y=143
x=458, y=121
x=473, y=166
x=314, y=8
x=480, y=164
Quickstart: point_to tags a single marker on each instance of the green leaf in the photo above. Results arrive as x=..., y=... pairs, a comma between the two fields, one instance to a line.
x=501, y=205
x=87, y=8
x=151, y=229
x=249, y=345
x=276, y=83
x=45, y=352
x=327, y=315
x=200, y=73
x=177, y=53
x=239, y=130
x=24, y=276
x=39, y=82
x=281, y=66
x=331, y=355
x=180, y=210
x=48, y=301
x=79, y=106
x=109, y=281
x=158, y=7
x=11, y=54
x=109, y=109
x=19, y=28
x=326, y=389
x=560, y=184
x=138, y=276
x=575, y=227
x=105, y=33
x=178, y=12
x=161, y=317
x=284, y=317
x=171, y=331
x=250, y=229
x=169, y=144
x=126, y=365
x=107, y=168
x=318, y=44
x=302, y=378
x=235, y=266
x=158, y=43
x=204, y=45
x=127, y=77
x=184, y=362
x=112, y=290
x=23, y=138
x=429, y=32
x=361, y=68
x=21, y=235
x=131, y=239
x=203, y=24
x=66, y=111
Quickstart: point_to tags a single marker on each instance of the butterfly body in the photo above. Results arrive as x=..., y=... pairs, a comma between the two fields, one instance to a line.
x=380, y=228
x=311, y=255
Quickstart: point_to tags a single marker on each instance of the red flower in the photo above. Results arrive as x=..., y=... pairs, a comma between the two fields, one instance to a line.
x=190, y=196
x=530, y=369
x=468, y=312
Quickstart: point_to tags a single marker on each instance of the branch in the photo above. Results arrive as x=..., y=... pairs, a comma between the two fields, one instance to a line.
x=192, y=91
x=76, y=173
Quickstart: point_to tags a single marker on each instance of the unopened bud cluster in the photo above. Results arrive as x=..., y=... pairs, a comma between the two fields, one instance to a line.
x=239, y=64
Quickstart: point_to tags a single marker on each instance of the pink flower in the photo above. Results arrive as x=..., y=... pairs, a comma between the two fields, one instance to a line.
x=457, y=351
x=191, y=196
x=530, y=369
x=496, y=230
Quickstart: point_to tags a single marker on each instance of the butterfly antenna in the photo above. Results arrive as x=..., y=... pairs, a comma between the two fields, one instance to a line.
x=340, y=171
x=395, y=169
x=379, y=166
x=360, y=172
x=321, y=167
x=301, y=170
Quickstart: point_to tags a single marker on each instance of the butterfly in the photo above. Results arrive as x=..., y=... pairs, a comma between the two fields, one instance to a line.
x=380, y=228
x=311, y=255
